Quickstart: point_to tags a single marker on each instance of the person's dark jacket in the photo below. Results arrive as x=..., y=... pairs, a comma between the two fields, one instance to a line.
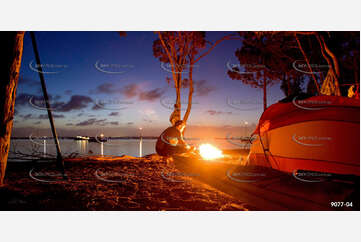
x=170, y=142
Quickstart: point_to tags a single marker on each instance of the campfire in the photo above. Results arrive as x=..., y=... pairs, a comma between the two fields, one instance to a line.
x=209, y=152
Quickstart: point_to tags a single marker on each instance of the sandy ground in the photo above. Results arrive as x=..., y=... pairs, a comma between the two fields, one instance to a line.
x=112, y=183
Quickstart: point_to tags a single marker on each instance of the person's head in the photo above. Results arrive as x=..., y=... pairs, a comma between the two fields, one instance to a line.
x=180, y=125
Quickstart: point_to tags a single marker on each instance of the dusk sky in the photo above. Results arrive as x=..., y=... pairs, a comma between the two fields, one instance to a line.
x=103, y=83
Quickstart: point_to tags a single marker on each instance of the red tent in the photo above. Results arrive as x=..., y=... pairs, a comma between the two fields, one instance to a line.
x=320, y=133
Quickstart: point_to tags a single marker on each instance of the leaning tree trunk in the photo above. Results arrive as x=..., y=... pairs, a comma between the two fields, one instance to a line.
x=11, y=49
x=264, y=93
x=190, y=94
x=289, y=90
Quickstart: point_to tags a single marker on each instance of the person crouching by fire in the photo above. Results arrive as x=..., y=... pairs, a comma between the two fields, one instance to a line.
x=171, y=141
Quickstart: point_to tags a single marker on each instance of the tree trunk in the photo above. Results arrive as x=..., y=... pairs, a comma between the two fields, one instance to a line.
x=335, y=67
x=289, y=91
x=308, y=64
x=264, y=93
x=190, y=94
x=335, y=72
x=178, y=91
x=176, y=74
x=11, y=49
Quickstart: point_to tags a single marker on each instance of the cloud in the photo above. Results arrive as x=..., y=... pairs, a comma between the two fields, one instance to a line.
x=130, y=123
x=114, y=114
x=96, y=107
x=69, y=124
x=92, y=121
x=129, y=91
x=45, y=116
x=76, y=102
x=106, y=88
x=114, y=123
x=28, y=116
x=87, y=122
x=202, y=88
x=151, y=95
x=24, y=99
x=214, y=112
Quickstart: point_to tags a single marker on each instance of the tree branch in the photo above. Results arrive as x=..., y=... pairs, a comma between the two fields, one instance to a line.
x=227, y=37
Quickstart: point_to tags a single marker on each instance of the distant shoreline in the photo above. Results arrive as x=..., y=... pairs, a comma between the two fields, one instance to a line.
x=73, y=138
x=126, y=138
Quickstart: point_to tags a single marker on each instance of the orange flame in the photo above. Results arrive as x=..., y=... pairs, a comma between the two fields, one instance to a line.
x=209, y=152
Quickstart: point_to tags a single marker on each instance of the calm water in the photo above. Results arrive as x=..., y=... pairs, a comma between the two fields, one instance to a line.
x=132, y=147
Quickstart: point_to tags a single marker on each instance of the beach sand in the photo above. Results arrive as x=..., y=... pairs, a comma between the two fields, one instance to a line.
x=110, y=183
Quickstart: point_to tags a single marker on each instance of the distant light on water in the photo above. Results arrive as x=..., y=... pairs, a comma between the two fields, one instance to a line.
x=140, y=142
x=44, y=147
x=140, y=146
